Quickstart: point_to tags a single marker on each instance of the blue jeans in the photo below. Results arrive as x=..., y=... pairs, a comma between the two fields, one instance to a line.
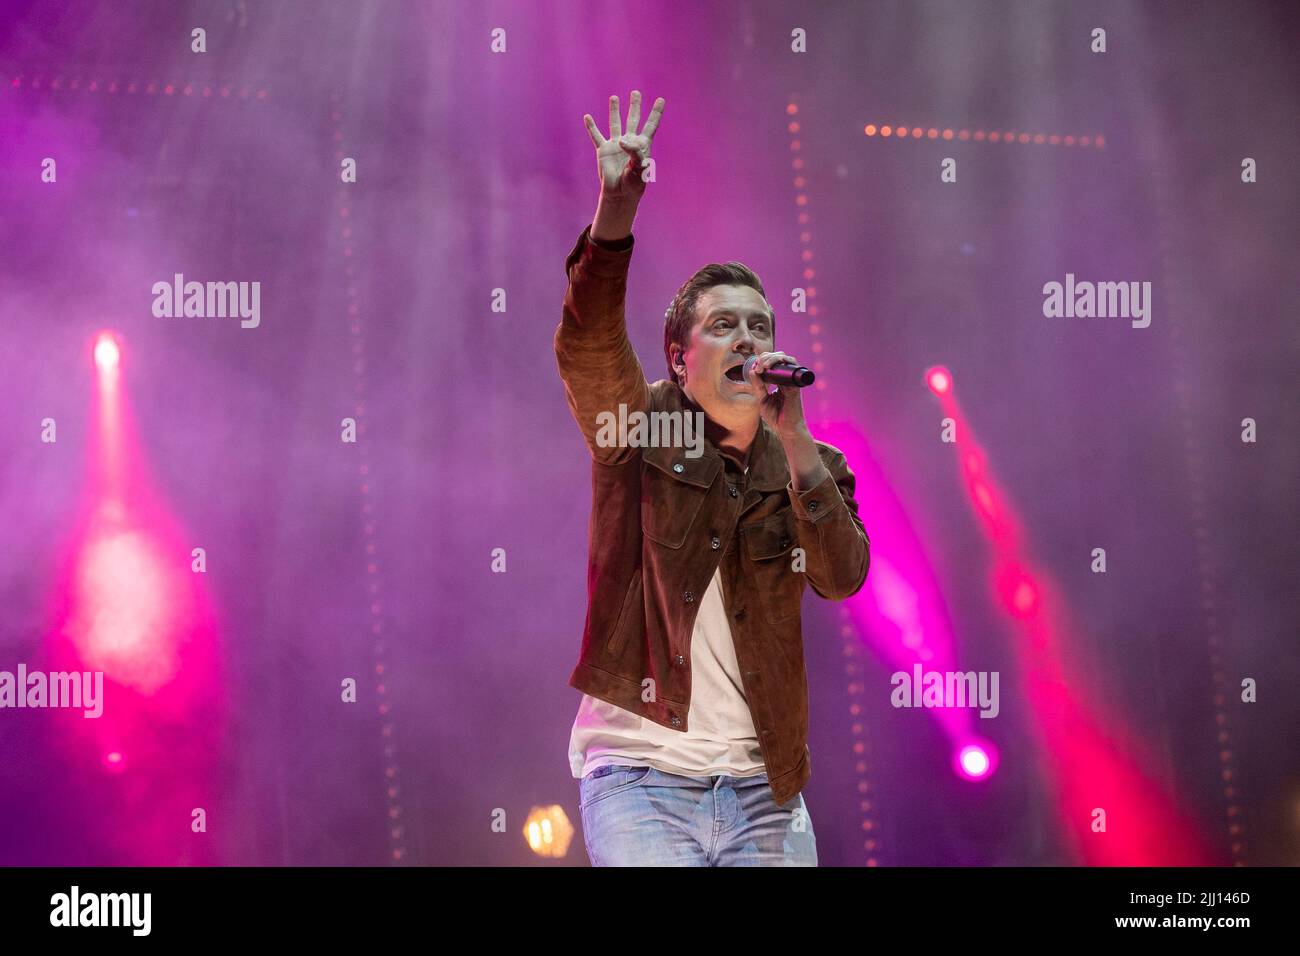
x=642, y=816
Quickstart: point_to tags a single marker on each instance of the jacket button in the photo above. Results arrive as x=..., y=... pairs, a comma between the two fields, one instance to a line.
x=812, y=506
x=716, y=543
x=785, y=543
x=676, y=721
x=689, y=597
x=680, y=659
x=679, y=468
x=731, y=490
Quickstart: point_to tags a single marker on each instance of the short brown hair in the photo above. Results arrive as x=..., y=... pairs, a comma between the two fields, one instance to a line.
x=679, y=319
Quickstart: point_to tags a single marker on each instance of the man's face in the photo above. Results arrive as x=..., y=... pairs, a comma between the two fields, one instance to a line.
x=731, y=324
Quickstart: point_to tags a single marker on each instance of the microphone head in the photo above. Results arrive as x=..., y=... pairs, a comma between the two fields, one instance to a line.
x=797, y=374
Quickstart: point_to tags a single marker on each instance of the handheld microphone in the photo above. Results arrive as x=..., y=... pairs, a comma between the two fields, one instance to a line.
x=783, y=374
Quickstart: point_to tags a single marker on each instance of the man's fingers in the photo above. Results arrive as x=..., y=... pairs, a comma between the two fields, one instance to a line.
x=634, y=148
x=615, y=122
x=652, y=121
x=774, y=403
x=634, y=112
x=768, y=359
x=642, y=140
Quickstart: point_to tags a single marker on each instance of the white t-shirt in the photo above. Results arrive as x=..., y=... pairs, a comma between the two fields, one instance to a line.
x=721, y=739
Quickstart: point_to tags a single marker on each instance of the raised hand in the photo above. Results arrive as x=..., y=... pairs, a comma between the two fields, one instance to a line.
x=622, y=157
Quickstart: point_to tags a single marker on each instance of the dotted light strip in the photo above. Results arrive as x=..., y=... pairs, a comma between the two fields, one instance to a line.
x=848, y=631
x=1192, y=467
x=392, y=789
x=76, y=84
x=806, y=253
x=981, y=136
x=852, y=650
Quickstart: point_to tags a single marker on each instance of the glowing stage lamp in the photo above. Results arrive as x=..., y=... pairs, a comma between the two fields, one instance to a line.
x=107, y=353
x=975, y=760
x=1025, y=599
x=939, y=379
x=115, y=761
x=548, y=831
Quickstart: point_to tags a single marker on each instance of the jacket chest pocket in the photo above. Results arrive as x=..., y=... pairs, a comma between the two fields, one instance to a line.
x=669, y=504
x=770, y=545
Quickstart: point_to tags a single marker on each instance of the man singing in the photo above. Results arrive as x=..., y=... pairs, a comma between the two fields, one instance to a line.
x=691, y=737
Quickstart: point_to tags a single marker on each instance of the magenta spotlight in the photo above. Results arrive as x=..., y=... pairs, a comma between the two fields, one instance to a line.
x=975, y=761
x=114, y=761
x=1017, y=589
x=1025, y=599
x=107, y=354
x=939, y=380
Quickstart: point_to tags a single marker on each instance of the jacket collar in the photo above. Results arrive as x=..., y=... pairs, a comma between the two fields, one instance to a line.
x=768, y=469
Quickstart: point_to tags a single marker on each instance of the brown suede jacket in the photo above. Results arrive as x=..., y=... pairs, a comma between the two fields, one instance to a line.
x=662, y=523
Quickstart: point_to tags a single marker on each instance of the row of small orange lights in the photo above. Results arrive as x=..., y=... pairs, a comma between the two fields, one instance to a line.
x=112, y=86
x=979, y=136
x=870, y=843
x=806, y=256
